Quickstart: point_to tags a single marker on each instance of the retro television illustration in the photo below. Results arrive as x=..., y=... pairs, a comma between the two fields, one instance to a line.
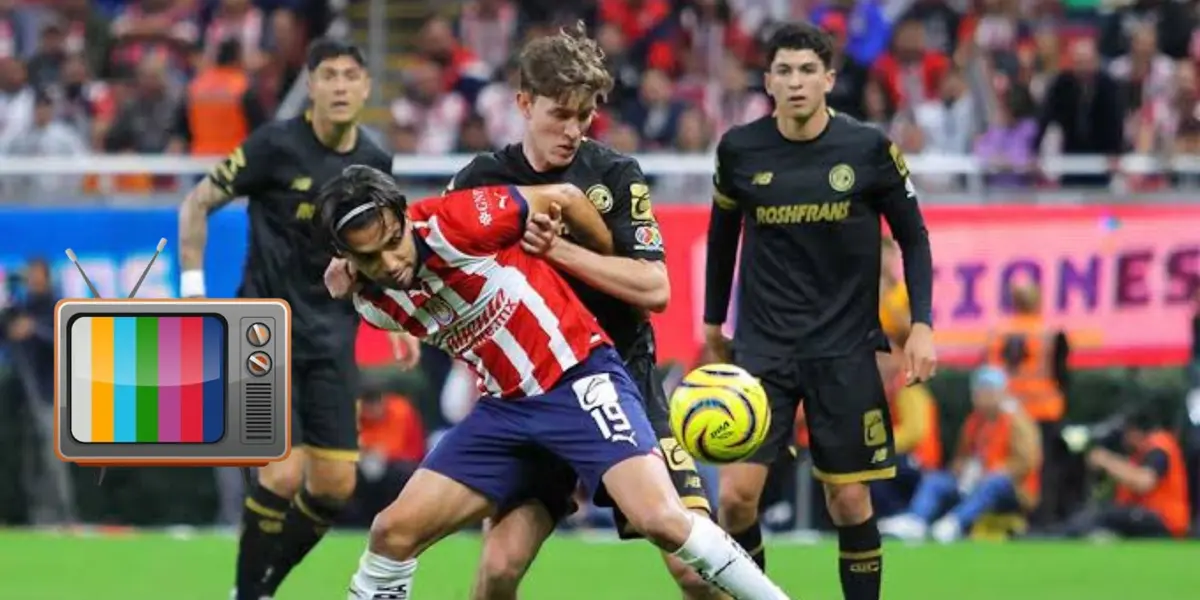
x=171, y=382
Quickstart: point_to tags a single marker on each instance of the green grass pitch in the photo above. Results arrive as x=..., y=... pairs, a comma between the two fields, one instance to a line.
x=151, y=566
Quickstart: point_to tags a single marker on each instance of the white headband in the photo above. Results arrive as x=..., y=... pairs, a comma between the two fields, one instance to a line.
x=358, y=210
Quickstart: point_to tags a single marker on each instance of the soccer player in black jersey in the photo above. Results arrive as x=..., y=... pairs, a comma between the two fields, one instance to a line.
x=280, y=167
x=810, y=186
x=562, y=78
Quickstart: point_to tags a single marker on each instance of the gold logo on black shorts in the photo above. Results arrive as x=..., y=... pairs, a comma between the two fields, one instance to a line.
x=677, y=458
x=874, y=431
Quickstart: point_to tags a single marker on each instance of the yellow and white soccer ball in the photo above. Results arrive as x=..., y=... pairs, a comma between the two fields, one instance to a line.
x=720, y=413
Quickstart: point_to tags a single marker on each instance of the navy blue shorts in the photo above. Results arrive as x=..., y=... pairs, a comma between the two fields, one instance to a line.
x=505, y=449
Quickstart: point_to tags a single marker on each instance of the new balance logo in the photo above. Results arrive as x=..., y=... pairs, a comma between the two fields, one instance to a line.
x=393, y=592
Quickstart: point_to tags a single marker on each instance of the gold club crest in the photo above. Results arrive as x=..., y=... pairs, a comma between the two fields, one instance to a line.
x=841, y=178
x=601, y=197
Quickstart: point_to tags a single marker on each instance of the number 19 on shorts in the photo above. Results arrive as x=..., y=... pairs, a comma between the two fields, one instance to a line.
x=598, y=397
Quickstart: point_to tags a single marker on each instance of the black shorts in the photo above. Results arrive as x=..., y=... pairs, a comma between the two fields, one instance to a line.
x=845, y=409
x=679, y=463
x=324, y=408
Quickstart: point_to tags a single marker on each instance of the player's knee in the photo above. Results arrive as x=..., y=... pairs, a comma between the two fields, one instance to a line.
x=666, y=524
x=501, y=570
x=332, y=479
x=738, y=503
x=849, y=503
x=394, y=535
x=283, y=479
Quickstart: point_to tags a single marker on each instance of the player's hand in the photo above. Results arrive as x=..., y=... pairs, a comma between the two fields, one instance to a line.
x=542, y=231
x=716, y=344
x=340, y=278
x=406, y=348
x=920, y=357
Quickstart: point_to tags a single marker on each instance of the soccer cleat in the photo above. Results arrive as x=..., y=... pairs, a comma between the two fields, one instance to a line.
x=947, y=530
x=905, y=527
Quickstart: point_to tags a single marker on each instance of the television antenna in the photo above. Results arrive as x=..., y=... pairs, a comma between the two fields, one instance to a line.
x=162, y=243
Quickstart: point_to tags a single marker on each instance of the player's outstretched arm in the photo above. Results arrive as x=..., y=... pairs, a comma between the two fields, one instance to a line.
x=193, y=233
x=245, y=171
x=585, y=221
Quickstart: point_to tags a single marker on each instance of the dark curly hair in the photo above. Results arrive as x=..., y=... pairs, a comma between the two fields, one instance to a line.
x=800, y=36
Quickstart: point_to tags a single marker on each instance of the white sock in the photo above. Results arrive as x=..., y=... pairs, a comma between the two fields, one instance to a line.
x=381, y=578
x=723, y=563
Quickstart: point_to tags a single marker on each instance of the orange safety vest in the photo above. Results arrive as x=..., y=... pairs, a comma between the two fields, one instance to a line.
x=928, y=452
x=1032, y=382
x=216, y=115
x=1169, y=498
x=990, y=441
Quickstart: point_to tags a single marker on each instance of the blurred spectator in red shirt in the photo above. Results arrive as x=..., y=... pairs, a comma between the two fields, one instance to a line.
x=910, y=72
x=461, y=69
x=655, y=114
x=488, y=28
x=239, y=20
x=645, y=27
x=434, y=113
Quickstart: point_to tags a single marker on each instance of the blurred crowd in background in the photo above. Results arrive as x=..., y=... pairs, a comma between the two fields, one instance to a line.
x=1005, y=81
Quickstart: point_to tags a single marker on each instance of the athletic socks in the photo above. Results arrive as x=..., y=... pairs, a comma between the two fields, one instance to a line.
x=724, y=564
x=303, y=526
x=381, y=578
x=860, y=560
x=751, y=540
x=263, y=515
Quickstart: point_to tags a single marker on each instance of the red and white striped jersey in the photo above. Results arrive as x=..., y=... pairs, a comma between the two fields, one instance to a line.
x=482, y=299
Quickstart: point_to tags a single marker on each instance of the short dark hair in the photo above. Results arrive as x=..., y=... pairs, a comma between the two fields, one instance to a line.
x=229, y=52
x=800, y=36
x=323, y=49
x=355, y=199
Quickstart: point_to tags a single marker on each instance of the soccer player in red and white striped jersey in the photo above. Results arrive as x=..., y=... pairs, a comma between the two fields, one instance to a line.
x=451, y=270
